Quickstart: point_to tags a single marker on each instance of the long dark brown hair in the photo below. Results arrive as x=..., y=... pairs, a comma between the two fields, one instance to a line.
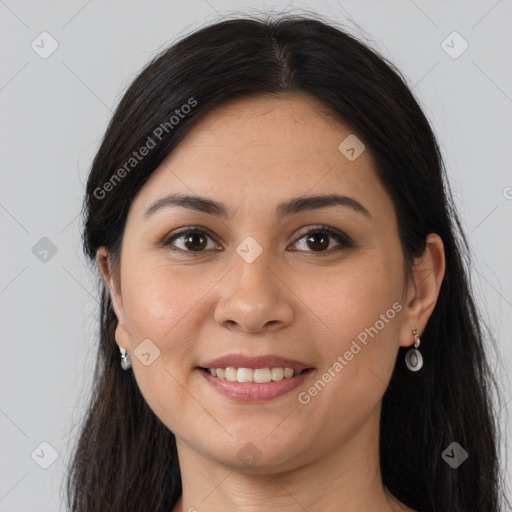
x=125, y=458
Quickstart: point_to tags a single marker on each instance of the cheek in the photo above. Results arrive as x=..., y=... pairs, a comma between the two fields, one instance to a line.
x=158, y=304
x=160, y=310
x=359, y=309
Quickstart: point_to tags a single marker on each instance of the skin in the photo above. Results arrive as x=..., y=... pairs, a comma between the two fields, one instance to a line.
x=250, y=155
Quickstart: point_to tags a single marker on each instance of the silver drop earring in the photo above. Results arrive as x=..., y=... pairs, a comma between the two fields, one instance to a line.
x=413, y=358
x=126, y=364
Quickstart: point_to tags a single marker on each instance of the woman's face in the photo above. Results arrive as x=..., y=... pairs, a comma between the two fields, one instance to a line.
x=253, y=284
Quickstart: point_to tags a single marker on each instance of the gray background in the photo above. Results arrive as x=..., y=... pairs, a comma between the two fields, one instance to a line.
x=54, y=112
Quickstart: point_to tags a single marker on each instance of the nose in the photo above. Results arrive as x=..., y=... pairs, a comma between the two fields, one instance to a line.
x=254, y=297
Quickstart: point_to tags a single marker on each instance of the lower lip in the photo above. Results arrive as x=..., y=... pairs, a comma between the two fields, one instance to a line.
x=252, y=391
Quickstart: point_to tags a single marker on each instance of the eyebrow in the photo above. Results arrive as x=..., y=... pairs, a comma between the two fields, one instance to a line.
x=289, y=207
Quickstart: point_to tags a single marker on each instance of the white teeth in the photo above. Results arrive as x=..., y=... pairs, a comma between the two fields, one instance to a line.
x=288, y=373
x=262, y=375
x=277, y=373
x=231, y=374
x=259, y=375
x=244, y=375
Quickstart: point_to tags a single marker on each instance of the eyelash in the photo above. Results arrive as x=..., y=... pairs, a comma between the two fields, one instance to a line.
x=340, y=237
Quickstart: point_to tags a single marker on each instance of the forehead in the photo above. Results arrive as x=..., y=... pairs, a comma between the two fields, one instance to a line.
x=286, y=126
x=282, y=146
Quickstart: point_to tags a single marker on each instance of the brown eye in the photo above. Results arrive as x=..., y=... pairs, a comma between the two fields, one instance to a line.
x=318, y=240
x=193, y=240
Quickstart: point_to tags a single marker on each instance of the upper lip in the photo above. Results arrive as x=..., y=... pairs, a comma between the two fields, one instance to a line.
x=242, y=361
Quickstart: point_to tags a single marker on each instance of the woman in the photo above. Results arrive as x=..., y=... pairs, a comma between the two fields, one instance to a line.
x=286, y=320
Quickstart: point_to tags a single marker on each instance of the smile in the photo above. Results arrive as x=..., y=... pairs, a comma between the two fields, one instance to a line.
x=241, y=384
x=259, y=375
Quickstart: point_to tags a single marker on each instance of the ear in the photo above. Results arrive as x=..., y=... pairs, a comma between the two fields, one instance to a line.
x=104, y=262
x=423, y=290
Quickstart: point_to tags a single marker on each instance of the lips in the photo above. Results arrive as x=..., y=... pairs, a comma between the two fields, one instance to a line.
x=254, y=362
x=250, y=368
x=254, y=392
